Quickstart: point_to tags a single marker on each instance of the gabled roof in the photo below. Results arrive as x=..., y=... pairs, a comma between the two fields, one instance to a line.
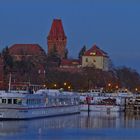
x=95, y=51
x=57, y=30
x=26, y=49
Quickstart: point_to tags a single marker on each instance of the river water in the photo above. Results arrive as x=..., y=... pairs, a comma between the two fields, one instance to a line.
x=84, y=126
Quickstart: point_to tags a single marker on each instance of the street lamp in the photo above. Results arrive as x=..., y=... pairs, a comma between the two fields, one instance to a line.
x=69, y=87
x=126, y=90
x=117, y=86
x=109, y=84
x=136, y=89
x=65, y=84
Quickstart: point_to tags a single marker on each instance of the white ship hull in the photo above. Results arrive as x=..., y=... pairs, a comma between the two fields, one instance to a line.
x=29, y=113
x=100, y=108
x=43, y=103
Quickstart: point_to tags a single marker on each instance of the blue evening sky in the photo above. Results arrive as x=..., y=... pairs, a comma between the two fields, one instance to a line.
x=114, y=25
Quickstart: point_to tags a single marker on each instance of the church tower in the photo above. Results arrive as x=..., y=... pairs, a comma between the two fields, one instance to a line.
x=57, y=38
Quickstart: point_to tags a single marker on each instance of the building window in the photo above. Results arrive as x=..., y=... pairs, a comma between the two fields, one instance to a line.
x=93, y=53
x=86, y=59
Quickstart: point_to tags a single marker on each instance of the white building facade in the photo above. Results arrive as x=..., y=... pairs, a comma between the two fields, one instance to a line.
x=95, y=57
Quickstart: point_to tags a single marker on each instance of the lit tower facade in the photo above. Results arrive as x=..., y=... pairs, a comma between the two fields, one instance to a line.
x=57, y=38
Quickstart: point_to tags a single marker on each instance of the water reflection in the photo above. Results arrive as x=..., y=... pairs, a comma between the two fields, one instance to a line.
x=13, y=127
x=95, y=125
x=100, y=120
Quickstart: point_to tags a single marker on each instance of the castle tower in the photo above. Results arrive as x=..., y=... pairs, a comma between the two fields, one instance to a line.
x=57, y=38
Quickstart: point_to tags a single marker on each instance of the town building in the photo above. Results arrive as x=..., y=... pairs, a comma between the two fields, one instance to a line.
x=70, y=65
x=57, y=39
x=34, y=53
x=95, y=57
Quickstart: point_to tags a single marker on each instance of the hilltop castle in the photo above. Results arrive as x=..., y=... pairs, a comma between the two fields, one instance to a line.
x=56, y=41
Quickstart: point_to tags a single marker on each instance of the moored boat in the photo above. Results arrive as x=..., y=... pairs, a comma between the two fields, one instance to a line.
x=101, y=105
x=43, y=103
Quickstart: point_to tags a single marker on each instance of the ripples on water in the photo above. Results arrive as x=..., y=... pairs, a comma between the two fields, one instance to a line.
x=95, y=126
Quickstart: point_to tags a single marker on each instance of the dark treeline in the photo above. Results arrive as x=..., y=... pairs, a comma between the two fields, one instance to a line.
x=90, y=78
x=54, y=77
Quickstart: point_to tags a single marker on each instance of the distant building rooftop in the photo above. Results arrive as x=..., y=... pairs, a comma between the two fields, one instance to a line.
x=95, y=51
x=70, y=62
x=26, y=49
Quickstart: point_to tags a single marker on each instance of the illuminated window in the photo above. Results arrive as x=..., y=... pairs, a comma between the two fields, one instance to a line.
x=93, y=53
x=19, y=101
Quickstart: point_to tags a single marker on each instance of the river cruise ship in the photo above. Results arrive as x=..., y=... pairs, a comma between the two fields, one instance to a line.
x=43, y=103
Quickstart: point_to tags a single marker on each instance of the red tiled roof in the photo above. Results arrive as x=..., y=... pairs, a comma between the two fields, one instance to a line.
x=26, y=49
x=70, y=62
x=95, y=51
x=57, y=30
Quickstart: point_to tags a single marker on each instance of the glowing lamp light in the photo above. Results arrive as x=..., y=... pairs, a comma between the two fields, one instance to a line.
x=126, y=90
x=65, y=84
x=109, y=84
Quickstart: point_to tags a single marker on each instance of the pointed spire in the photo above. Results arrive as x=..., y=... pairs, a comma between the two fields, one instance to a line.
x=57, y=31
x=57, y=38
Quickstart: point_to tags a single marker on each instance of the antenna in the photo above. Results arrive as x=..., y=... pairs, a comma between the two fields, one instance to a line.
x=9, y=89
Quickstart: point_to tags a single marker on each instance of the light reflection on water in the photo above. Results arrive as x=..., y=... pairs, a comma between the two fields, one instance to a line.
x=92, y=126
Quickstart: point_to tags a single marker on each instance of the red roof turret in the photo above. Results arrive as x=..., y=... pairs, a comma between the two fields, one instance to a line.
x=57, y=31
x=57, y=38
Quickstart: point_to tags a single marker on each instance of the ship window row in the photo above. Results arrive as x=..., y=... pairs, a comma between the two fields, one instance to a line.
x=62, y=101
x=10, y=101
x=33, y=101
